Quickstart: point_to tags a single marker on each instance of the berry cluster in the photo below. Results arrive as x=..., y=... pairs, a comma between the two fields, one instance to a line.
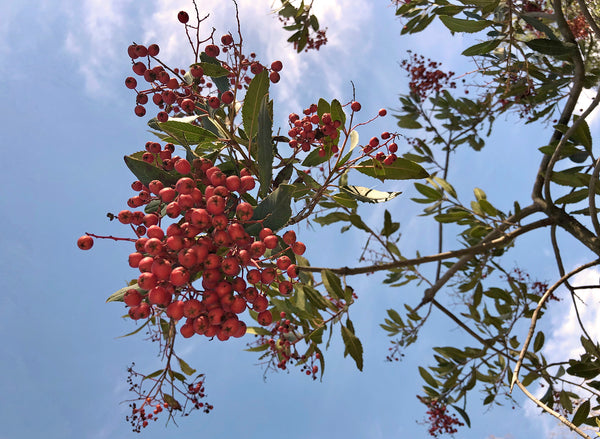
x=439, y=420
x=313, y=131
x=209, y=245
x=175, y=91
x=579, y=27
x=425, y=75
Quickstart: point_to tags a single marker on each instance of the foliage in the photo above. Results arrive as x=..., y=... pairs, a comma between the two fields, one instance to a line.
x=535, y=59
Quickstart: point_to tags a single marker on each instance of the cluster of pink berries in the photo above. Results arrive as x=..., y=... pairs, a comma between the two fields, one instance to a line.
x=439, y=419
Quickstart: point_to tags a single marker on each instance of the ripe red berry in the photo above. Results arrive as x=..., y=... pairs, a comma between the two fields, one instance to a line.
x=130, y=82
x=139, y=110
x=183, y=167
x=183, y=17
x=197, y=71
x=85, y=242
x=214, y=102
x=274, y=77
x=226, y=40
x=276, y=66
x=382, y=112
x=355, y=106
x=139, y=68
x=227, y=97
x=153, y=49
x=162, y=116
x=212, y=50
x=264, y=318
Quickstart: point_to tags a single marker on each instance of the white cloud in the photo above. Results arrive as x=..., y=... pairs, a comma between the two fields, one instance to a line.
x=563, y=340
x=94, y=39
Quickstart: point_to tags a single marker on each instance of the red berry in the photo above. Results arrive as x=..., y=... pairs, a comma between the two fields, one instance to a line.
x=212, y=50
x=355, y=106
x=85, y=242
x=153, y=49
x=226, y=40
x=183, y=167
x=274, y=77
x=276, y=66
x=183, y=17
x=227, y=97
x=130, y=82
x=214, y=102
x=264, y=318
x=139, y=111
x=382, y=112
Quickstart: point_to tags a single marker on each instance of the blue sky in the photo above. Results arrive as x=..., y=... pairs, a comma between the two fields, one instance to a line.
x=67, y=120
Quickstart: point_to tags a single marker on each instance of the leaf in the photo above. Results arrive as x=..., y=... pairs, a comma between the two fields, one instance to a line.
x=573, y=197
x=117, y=296
x=185, y=368
x=184, y=133
x=313, y=158
x=582, y=413
x=353, y=346
x=408, y=122
x=146, y=172
x=550, y=47
x=586, y=370
x=401, y=169
x=462, y=25
x=427, y=377
x=582, y=135
x=538, y=342
x=173, y=403
x=354, y=139
x=265, y=147
x=213, y=70
x=332, y=284
x=275, y=210
x=222, y=82
x=463, y=414
x=539, y=25
x=369, y=195
x=481, y=48
x=337, y=112
x=430, y=193
x=257, y=90
x=136, y=330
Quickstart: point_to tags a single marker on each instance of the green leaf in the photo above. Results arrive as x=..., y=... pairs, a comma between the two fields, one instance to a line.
x=408, y=122
x=586, y=370
x=430, y=193
x=213, y=70
x=257, y=90
x=222, y=82
x=185, y=368
x=173, y=403
x=446, y=186
x=313, y=158
x=539, y=25
x=136, y=330
x=573, y=197
x=275, y=210
x=550, y=47
x=184, y=133
x=337, y=112
x=265, y=147
x=332, y=284
x=463, y=414
x=146, y=172
x=481, y=48
x=582, y=413
x=427, y=377
x=538, y=342
x=331, y=218
x=462, y=25
x=117, y=296
x=582, y=135
x=369, y=195
x=353, y=346
x=401, y=169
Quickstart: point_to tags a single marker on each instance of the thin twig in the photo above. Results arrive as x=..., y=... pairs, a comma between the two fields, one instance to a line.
x=536, y=312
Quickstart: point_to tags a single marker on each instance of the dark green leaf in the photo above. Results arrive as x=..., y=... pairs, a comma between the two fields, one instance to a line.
x=550, y=47
x=353, y=346
x=582, y=413
x=222, y=82
x=463, y=414
x=275, y=210
x=337, y=112
x=257, y=90
x=539, y=25
x=408, y=122
x=586, y=370
x=538, y=342
x=146, y=172
x=214, y=70
x=481, y=48
x=265, y=147
x=184, y=133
